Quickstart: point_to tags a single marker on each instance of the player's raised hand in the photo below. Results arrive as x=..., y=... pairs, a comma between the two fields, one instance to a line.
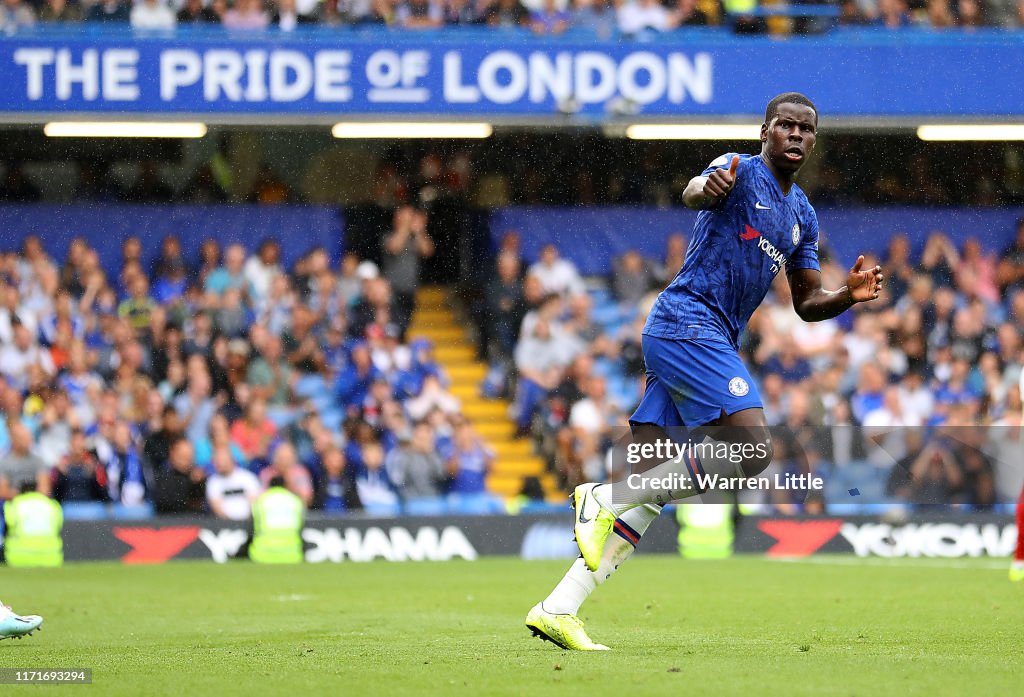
x=721, y=181
x=864, y=285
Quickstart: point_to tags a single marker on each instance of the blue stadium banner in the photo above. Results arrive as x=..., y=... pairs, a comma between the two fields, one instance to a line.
x=323, y=75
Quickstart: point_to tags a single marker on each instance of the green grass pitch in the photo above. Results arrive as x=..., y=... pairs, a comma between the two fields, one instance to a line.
x=744, y=626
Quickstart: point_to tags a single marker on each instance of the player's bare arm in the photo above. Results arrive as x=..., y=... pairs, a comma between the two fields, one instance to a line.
x=814, y=304
x=706, y=192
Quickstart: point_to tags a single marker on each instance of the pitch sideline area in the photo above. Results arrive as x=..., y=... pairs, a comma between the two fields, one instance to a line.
x=741, y=626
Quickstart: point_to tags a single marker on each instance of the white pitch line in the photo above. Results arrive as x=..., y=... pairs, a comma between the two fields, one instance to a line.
x=923, y=562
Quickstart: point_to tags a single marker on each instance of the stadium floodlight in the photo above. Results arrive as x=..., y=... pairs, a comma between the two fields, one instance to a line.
x=124, y=129
x=693, y=131
x=970, y=131
x=399, y=129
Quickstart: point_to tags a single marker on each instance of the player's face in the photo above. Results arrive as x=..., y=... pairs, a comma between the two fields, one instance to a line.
x=789, y=138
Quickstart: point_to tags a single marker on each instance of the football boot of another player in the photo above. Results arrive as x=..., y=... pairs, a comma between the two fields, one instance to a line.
x=15, y=626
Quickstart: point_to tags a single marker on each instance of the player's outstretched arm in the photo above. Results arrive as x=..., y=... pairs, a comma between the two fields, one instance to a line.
x=814, y=304
x=706, y=192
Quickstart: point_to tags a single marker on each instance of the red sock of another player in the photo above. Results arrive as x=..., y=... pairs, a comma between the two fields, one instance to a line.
x=1018, y=555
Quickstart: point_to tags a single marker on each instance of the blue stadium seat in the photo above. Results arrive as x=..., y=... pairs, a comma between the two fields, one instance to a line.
x=475, y=504
x=544, y=507
x=85, y=510
x=121, y=512
x=427, y=506
x=844, y=508
x=883, y=507
x=384, y=510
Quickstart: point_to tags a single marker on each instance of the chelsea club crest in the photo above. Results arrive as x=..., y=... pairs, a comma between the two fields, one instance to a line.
x=738, y=387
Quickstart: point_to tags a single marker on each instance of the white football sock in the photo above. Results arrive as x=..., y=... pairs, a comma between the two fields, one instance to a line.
x=709, y=457
x=578, y=582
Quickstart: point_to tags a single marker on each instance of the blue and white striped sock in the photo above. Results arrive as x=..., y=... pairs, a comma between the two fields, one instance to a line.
x=579, y=582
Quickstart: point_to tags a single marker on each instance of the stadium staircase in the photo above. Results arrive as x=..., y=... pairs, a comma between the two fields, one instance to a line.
x=434, y=319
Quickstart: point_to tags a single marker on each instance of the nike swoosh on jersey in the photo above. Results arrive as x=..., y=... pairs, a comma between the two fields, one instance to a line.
x=758, y=206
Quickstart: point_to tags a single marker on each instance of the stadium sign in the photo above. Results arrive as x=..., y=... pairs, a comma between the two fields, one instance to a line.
x=359, y=539
x=924, y=535
x=397, y=544
x=303, y=79
x=336, y=540
x=326, y=76
x=948, y=540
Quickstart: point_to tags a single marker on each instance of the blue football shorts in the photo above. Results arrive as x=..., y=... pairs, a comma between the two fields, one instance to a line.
x=692, y=382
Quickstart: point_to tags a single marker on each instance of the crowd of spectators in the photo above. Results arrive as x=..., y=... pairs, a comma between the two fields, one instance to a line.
x=545, y=17
x=915, y=397
x=185, y=387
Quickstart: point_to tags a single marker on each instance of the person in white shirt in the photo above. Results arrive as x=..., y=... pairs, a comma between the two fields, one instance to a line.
x=262, y=268
x=16, y=357
x=865, y=341
x=152, y=14
x=11, y=307
x=556, y=275
x=285, y=16
x=885, y=430
x=592, y=414
x=432, y=396
x=231, y=490
x=916, y=399
x=639, y=15
x=816, y=341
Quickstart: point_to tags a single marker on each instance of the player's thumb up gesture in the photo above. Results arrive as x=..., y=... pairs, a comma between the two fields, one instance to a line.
x=721, y=181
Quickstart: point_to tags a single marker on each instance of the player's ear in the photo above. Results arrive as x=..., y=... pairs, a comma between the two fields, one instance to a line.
x=764, y=132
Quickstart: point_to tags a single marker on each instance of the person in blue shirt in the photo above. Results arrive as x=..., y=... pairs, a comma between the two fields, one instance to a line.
x=469, y=460
x=353, y=383
x=336, y=490
x=753, y=222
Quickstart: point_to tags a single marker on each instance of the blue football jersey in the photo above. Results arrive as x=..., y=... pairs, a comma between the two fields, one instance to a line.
x=736, y=250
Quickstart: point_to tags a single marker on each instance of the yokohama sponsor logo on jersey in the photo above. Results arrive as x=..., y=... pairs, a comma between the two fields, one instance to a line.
x=765, y=245
x=777, y=257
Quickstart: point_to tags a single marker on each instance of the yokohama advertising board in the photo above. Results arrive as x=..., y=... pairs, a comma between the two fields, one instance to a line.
x=534, y=537
x=930, y=535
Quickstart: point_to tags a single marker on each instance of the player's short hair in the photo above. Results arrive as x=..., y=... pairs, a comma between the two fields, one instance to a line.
x=772, y=110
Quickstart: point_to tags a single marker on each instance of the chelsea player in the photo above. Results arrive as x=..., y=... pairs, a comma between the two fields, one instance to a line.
x=754, y=221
